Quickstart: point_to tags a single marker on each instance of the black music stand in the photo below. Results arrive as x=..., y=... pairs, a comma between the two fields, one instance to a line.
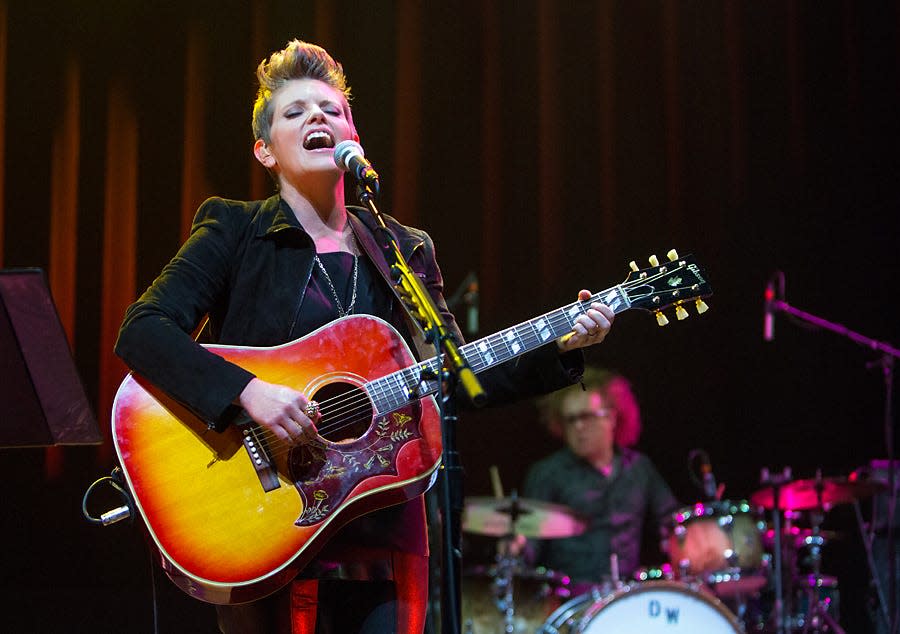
x=42, y=400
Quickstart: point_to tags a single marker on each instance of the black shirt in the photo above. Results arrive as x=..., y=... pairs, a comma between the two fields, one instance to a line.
x=616, y=508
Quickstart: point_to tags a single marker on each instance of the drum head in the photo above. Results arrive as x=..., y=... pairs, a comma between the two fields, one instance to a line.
x=659, y=606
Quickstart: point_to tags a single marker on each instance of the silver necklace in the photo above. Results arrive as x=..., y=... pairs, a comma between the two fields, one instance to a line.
x=337, y=301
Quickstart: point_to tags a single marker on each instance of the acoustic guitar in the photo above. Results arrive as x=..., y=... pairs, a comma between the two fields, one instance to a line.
x=235, y=515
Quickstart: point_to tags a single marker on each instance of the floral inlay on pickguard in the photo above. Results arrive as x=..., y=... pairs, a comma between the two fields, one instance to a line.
x=325, y=473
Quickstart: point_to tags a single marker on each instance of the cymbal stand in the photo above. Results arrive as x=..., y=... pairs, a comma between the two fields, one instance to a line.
x=507, y=565
x=818, y=619
x=776, y=481
x=867, y=531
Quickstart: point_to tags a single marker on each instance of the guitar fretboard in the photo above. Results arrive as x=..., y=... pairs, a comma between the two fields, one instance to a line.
x=400, y=388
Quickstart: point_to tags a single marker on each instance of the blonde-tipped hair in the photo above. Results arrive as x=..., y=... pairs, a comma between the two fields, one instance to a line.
x=297, y=60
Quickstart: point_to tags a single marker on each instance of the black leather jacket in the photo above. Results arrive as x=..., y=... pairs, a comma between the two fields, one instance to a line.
x=247, y=265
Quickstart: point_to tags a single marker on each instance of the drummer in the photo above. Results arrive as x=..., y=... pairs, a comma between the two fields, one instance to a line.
x=597, y=474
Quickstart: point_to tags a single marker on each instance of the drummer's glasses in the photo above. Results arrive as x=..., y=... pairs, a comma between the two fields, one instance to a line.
x=588, y=415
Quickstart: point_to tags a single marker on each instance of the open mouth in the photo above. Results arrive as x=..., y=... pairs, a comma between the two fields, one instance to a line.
x=318, y=140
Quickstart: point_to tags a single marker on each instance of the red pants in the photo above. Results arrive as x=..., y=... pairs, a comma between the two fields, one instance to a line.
x=410, y=573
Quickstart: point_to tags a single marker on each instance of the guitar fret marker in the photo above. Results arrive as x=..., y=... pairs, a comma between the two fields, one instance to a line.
x=542, y=329
x=513, y=342
x=488, y=356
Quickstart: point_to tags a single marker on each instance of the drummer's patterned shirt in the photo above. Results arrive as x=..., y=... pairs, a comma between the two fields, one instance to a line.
x=633, y=501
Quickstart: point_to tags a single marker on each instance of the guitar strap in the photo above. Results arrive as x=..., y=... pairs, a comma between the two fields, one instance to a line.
x=363, y=227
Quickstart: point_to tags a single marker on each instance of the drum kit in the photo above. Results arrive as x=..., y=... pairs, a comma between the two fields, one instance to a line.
x=730, y=570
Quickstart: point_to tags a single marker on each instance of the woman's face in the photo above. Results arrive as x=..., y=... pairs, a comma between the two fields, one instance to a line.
x=309, y=118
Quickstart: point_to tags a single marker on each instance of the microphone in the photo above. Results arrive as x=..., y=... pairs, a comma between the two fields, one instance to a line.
x=350, y=157
x=709, y=480
x=471, y=300
x=769, y=312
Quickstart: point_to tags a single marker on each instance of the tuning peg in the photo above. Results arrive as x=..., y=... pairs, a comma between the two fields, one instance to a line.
x=660, y=318
x=701, y=306
x=633, y=266
x=672, y=255
x=680, y=312
x=654, y=261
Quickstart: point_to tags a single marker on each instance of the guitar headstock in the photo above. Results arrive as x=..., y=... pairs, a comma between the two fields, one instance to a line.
x=672, y=283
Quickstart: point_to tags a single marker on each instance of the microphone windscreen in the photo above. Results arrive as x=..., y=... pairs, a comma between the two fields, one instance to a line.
x=344, y=150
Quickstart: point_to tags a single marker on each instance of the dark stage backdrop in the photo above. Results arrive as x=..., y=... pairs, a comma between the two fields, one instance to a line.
x=543, y=145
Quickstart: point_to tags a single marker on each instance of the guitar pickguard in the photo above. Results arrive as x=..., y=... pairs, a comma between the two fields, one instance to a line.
x=326, y=474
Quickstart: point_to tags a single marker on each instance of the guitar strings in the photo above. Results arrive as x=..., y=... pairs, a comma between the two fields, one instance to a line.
x=354, y=407
x=361, y=403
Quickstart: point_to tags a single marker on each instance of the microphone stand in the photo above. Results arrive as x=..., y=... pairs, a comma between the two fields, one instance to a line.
x=888, y=354
x=777, y=481
x=417, y=302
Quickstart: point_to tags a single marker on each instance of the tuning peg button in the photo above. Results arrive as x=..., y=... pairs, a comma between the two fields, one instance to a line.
x=680, y=312
x=672, y=255
x=633, y=266
x=654, y=261
x=661, y=318
x=701, y=306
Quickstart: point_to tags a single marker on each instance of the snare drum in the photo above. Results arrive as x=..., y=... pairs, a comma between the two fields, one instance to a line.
x=659, y=606
x=720, y=543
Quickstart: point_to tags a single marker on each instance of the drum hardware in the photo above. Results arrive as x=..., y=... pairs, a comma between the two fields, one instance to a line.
x=614, y=570
x=775, y=482
x=663, y=572
x=799, y=537
x=783, y=497
x=519, y=599
x=817, y=618
x=507, y=564
x=505, y=518
x=879, y=535
x=565, y=619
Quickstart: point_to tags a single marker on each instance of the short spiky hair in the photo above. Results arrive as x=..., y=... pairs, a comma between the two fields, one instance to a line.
x=297, y=60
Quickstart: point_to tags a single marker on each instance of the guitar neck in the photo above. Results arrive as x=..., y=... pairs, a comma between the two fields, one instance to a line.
x=525, y=337
x=400, y=388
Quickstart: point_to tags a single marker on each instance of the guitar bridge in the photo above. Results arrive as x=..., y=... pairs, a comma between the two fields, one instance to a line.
x=265, y=469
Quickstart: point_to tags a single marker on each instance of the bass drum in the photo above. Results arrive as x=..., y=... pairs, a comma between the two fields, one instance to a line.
x=659, y=606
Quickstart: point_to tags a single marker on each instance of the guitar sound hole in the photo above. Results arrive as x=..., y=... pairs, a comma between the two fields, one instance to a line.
x=346, y=412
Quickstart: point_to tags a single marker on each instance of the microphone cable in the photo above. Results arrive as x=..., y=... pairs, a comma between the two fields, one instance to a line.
x=116, y=481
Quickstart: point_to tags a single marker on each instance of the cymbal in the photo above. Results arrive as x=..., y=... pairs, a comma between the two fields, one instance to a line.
x=804, y=495
x=534, y=518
